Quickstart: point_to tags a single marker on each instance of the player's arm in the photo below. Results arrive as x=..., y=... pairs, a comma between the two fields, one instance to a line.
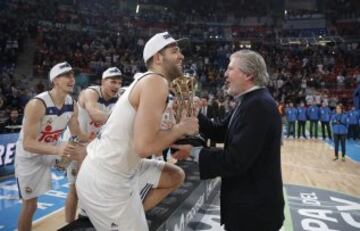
x=90, y=99
x=75, y=127
x=34, y=112
x=151, y=94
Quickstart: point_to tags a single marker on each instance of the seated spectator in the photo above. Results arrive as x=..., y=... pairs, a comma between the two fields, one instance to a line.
x=13, y=124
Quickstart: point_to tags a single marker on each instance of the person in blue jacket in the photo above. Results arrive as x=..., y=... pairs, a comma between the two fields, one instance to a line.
x=325, y=116
x=353, y=121
x=290, y=113
x=301, y=118
x=339, y=127
x=356, y=98
x=313, y=115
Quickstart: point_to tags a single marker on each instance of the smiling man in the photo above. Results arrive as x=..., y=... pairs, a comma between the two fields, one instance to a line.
x=249, y=163
x=45, y=118
x=94, y=106
x=115, y=175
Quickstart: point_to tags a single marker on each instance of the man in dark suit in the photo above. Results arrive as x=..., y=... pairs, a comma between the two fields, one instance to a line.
x=249, y=164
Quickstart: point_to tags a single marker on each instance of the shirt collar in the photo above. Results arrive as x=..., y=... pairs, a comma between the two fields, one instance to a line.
x=256, y=87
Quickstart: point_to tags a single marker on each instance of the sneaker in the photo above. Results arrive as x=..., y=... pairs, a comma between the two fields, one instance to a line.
x=343, y=158
x=336, y=158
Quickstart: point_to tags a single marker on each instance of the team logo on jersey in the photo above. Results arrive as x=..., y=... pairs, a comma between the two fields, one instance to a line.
x=28, y=189
x=49, y=136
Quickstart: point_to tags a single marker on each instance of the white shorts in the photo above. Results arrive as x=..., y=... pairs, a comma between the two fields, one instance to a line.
x=149, y=173
x=33, y=175
x=115, y=203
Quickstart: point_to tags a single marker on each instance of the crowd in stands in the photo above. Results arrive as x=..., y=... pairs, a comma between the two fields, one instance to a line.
x=93, y=35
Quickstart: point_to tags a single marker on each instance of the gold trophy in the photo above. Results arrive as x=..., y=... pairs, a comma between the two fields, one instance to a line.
x=62, y=163
x=184, y=89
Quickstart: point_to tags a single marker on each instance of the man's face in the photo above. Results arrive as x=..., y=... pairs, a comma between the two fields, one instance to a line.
x=65, y=82
x=338, y=109
x=111, y=85
x=236, y=80
x=172, y=59
x=204, y=102
x=14, y=114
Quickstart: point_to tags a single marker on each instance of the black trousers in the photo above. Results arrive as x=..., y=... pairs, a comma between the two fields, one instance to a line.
x=353, y=131
x=325, y=127
x=301, y=128
x=340, y=139
x=291, y=129
x=314, y=128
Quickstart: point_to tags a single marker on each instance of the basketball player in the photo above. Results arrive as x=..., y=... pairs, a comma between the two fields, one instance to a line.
x=94, y=107
x=45, y=118
x=108, y=181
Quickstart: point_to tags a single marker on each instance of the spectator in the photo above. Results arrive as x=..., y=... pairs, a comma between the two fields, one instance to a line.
x=301, y=119
x=13, y=124
x=339, y=127
x=325, y=116
x=291, y=119
x=313, y=115
x=353, y=118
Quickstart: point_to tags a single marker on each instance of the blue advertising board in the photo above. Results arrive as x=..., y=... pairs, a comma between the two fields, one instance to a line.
x=7, y=153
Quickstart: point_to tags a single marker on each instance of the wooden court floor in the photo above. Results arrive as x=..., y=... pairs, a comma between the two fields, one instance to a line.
x=304, y=162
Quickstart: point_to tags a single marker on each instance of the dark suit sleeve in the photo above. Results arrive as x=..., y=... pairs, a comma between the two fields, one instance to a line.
x=246, y=142
x=213, y=129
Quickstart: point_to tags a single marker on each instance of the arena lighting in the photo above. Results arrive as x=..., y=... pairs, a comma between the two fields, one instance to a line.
x=137, y=8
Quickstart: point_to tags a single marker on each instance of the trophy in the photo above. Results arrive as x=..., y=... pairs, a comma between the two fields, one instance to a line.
x=62, y=163
x=184, y=89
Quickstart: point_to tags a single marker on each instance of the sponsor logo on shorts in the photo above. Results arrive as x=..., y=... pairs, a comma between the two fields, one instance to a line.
x=28, y=189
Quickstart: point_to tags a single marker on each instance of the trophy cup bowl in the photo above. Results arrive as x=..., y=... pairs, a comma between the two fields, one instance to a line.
x=184, y=89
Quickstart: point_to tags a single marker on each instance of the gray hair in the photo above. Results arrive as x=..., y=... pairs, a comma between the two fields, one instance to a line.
x=251, y=62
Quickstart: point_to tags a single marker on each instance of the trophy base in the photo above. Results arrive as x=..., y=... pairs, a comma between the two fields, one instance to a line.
x=195, y=141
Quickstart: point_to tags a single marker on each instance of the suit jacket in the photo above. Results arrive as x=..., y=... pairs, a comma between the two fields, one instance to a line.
x=249, y=164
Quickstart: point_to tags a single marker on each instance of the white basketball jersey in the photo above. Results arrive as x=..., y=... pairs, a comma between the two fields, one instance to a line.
x=52, y=124
x=86, y=124
x=113, y=149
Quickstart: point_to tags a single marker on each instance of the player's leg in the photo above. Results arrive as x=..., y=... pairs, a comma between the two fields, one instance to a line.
x=71, y=204
x=169, y=176
x=28, y=209
x=33, y=177
x=72, y=198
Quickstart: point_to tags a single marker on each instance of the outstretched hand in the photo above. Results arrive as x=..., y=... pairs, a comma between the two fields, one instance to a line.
x=183, y=151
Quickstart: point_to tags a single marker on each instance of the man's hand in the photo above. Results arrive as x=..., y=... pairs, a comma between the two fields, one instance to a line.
x=188, y=125
x=72, y=151
x=185, y=151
